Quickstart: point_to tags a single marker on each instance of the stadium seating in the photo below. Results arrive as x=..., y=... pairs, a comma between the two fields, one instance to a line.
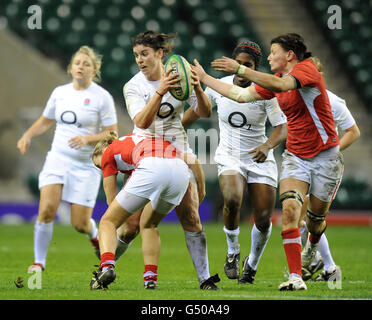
x=354, y=52
x=206, y=30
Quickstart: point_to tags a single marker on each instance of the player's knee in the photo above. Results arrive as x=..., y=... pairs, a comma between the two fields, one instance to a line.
x=290, y=214
x=263, y=222
x=47, y=213
x=232, y=204
x=128, y=232
x=81, y=226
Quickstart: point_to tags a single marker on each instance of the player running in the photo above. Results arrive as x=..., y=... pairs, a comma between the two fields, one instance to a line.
x=312, y=162
x=84, y=113
x=245, y=158
x=156, y=113
x=344, y=121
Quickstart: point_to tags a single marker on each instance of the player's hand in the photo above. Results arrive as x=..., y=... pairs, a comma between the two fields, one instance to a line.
x=23, y=144
x=168, y=81
x=77, y=142
x=195, y=79
x=260, y=153
x=198, y=69
x=225, y=64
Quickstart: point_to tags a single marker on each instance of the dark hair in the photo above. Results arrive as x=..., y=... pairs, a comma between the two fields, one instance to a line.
x=294, y=42
x=251, y=48
x=155, y=40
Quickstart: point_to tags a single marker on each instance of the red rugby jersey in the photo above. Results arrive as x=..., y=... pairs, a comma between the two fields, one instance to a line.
x=310, y=124
x=125, y=153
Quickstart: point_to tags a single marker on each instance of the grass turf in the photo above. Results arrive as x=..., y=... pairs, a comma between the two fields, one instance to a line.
x=71, y=261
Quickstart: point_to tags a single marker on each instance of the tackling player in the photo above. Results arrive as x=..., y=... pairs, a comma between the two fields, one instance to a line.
x=312, y=162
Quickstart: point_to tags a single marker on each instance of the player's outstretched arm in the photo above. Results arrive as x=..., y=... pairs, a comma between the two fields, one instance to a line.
x=231, y=91
x=265, y=80
x=38, y=128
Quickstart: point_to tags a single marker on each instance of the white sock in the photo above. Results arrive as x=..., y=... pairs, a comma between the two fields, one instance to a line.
x=197, y=245
x=258, y=244
x=304, y=234
x=316, y=259
x=121, y=248
x=94, y=232
x=324, y=251
x=232, y=238
x=42, y=235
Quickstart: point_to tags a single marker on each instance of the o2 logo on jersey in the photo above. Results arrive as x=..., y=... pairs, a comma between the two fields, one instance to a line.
x=238, y=120
x=165, y=110
x=69, y=117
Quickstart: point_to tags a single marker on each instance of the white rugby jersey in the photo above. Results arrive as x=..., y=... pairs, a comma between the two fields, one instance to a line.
x=242, y=125
x=341, y=114
x=79, y=113
x=138, y=91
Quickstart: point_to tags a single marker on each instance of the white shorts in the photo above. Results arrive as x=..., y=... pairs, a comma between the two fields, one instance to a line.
x=162, y=181
x=323, y=172
x=254, y=172
x=80, y=180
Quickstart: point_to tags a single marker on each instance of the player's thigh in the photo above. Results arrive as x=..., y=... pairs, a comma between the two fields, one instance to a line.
x=263, y=198
x=115, y=214
x=50, y=199
x=232, y=186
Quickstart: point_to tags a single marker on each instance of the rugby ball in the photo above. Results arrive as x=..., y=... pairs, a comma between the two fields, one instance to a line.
x=180, y=65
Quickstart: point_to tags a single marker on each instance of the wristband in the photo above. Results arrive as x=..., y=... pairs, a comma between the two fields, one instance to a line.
x=159, y=93
x=241, y=71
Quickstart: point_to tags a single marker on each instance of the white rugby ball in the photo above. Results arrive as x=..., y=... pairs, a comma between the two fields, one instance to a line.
x=180, y=65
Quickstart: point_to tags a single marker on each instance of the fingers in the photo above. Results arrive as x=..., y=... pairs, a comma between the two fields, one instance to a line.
x=22, y=146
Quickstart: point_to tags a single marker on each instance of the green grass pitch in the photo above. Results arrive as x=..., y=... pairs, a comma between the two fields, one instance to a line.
x=71, y=261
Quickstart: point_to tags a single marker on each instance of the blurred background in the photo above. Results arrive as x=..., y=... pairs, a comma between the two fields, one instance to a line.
x=34, y=57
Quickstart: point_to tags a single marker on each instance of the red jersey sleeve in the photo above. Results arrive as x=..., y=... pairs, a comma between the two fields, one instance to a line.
x=108, y=163
x=264, y=93
x=306, y=73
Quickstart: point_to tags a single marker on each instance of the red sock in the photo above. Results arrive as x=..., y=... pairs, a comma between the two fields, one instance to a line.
x=151, y=273
x=107, y=260
x=315, y=238
x=292, y=247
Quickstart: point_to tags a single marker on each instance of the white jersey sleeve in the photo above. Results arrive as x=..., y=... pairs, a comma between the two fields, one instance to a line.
x=211, y=94
x=50, y=108
x=108, y=112
x=274, y=113
x=341, y=114
x=134, y=99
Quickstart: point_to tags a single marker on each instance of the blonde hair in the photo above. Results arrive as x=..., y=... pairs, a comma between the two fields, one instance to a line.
x=318, y=64
x=94, y=56
x=104, y=143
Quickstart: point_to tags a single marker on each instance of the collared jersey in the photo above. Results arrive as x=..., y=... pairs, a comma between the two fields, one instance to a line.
x=138, y=91
x=311, y=127
x=242, y=125
x=79, y=113
x=125, y=153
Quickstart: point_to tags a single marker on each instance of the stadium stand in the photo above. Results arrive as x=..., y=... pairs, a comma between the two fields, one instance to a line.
x=354, y=51
x=206, y=29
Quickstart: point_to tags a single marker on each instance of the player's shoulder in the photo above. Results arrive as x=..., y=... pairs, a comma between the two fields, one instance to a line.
x=95, y=87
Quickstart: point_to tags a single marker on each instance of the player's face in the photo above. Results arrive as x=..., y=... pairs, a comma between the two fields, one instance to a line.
x=82, y=67
x=147, y=59
x=246, y=60
x=278, y=58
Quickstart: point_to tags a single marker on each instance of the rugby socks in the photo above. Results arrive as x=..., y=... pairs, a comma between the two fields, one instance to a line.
x=150, y=274
x=292, y=247
x=197, y=245
x=232, y=239
x=121, y=248
x=325, y=253
x=42, y=235
x=107, y=260
x=93, y=235
x=304, y=234
x=258, y=244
